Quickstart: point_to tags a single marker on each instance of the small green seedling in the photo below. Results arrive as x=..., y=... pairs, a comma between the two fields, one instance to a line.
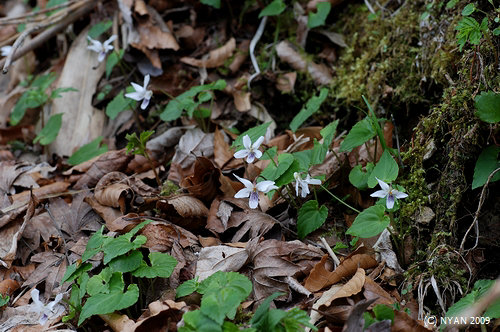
x=137, y=145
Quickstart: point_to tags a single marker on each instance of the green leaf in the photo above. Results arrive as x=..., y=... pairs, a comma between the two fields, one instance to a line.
x=187, y=287
x=310, y=218
x=213, y=3
x=99, y=283
x=318, y=19
x=359, y=178
x=254, y=134
x=480, y=288
x=121, y=245
x=222, y=294
x=94, y=245
x=162, y=265
x=88, y=151
x=370, y=222
x=186, y=101
x=312, y=106
x=126, y=263
x=486, y=163
x=99, y=28
x=74, y=271
x=488, y=106
x=469, y=9
x=271, y=172
x=451, y=4
x=116, y=299
x=117, y=105
x=113, y=60
x=287, y=177
x=320, y=150
x=274, y=8
x=4, y=300
x=196, y=321
x=114, y=247
x=49, y=133
x=57, y=92
x=383, y=312
x=260, y=318
x=360, y=133
x=295, y=319
x=386, y=170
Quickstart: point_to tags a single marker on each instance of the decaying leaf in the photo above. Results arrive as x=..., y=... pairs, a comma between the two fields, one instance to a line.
x=223, y=154
x=215, y=58
x=82, y=123
x=319, y=73
x=110, y=161
x=356, y=322
x=220, y=258
x=161, y=313
x=10, y=172
x=372, y=290
x=112, y=189
x=320, y=277
x=161, y=236
x=286, y=82
x=204, y=182
x=275, y=260
x=184, y=210
x=353, y=286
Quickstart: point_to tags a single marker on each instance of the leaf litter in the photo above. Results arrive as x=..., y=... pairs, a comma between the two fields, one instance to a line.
x=48, y=216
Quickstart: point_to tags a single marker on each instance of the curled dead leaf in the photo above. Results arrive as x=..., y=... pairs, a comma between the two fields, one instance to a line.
x=184, y=210
x=215, y=58
x=112, y=189
x=353, y=286
x=320, y=277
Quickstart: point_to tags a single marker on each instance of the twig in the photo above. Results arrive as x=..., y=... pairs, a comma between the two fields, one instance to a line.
x=253, y=43
x=47, y=34
x=476, y=215
x=330, y=251
x=370, y=8
x=23, y=18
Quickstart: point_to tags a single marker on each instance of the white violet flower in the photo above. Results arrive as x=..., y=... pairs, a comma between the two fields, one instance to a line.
x=389, y=192
x=46, y=311
x=6, y=50
x=252, y=190
x=141, y=92
x=251, y=151
x=304, y=184
x=101, y=48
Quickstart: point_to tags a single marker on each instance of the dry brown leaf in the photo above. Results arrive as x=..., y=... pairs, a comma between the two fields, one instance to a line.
x=51, y=268
x=118, y=323
x=110, y=161
x=161, y=236
x=108, y=214
x=223, y=154
x=372, y=290
x=10, y=172
x=242, y=100
x=188, y=207
x=355, y=322
x=215, y=58
x=11, y=234
x=353, y=286
x=8, y=287
x=286, y=82
x=81, y=122
x=274, y=260
x=220, y=258
x=204, y=182
x=320, y=277
x=319, y=73
x=403, y=322
x=164, y=314
x=240, y=57
x=112, y=189
x=255, y=223
x=192, y=144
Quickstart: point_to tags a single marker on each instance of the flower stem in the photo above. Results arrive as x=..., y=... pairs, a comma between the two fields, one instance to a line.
x=338, y=199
